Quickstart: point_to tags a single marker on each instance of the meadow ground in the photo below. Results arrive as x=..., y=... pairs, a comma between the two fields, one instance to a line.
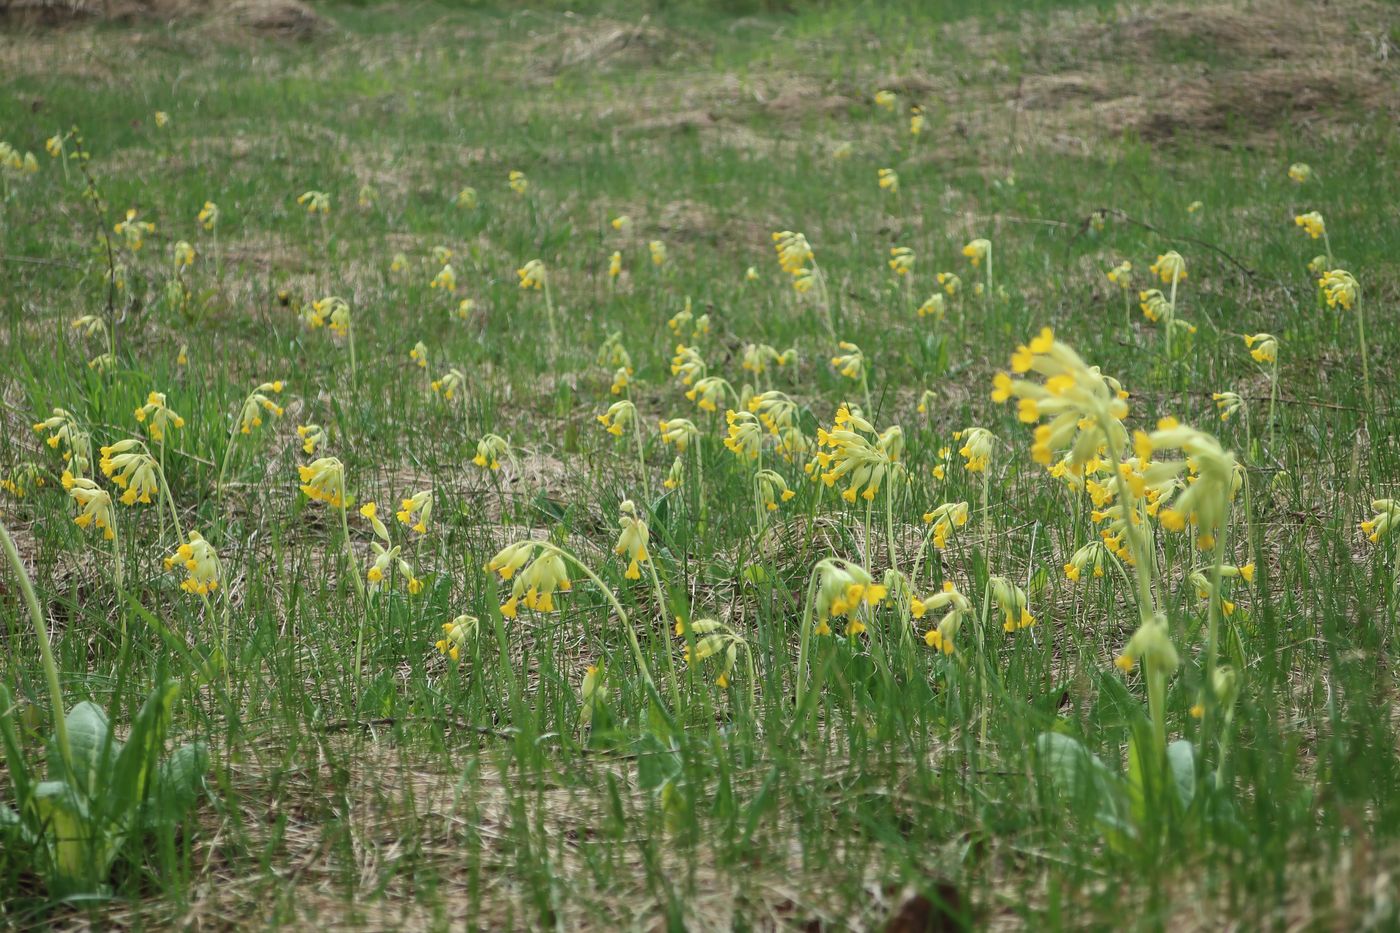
x=1197, y=733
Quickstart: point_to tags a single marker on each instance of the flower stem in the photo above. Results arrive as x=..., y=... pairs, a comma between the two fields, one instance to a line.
x=41, y=632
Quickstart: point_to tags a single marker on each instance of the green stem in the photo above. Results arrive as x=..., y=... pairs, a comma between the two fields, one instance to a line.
x=41, y=632
x=359, y=590
x=805, y=640
x=666, y=628
x=621, y=614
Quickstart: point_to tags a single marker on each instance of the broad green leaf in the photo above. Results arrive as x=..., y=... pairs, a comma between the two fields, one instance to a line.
x=82, y=856
x=137, y=762
x=178, y=781
x=90, y=740
x=1181, y=758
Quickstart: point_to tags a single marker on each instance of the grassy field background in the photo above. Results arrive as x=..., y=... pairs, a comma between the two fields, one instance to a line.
x=420, y=793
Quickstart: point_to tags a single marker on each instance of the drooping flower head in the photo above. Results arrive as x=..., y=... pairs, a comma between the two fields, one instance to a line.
x=901, y=260
x=1263, y=347
x=490, y=450
x=1312, y=224
x=889, y=180
x=1011, y=600
x=1340, y=288
x=538, y=571
x=257, y=402
x=1383, y=523
x=94, y=506
x=1169, y=267
x=619, y=417
x=632, y=540
x=977, y=251
x=157, y=417
x=456, y=635
x=532, y=274
x=200, y=563
x=845, y=591
x=323, y=480
x=944, y=519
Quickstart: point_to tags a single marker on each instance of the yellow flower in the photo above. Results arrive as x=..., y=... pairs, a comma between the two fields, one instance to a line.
x=745, y=437
x=1169, y=267
x=1384, y=522
x=456, y=634
x=1227, y=403
x=1011, y=599
x=751, y=274
x=312, y=436
x=850, y=363
x=708, y=393
x=885, y=100
x=1340, y=289
x=976, y=251
x=54, y=146
x=901, y=259
x=622, y=223
x=1263, y=347
x=944, y=519
x=25, y=477
x=386, y=565
x=1194, y=207
x=446, y=279
x=1092, y=557
x=678, y=431
x=936, y=307
x=687, y=364
x=632, y=541
x=950, y=282
x=416, y=511
x=770, y=489
x=794, y=252
x=257, y=402
x=658, y=252
x=184, y=255
x=94, y=506
x=132, y=469
x=315, y=202
x=464, y=309
x=162, y=118
x=133, y=231
x=200, y=563
x=543, y=575
x=845, y=590
x=622, y=377
x=449, y=384
x=366, y=197
x=323, y=480
x=916, y=120
x=157, y=417
x=940, y=637
x=208, y=216
x=517, y=181
x=618, y=417
x=592, y=691
x=532, y=274
x=419, y=355
x=1300, y=172
x=977, y=449
x=466, y=198
x=331, y=311
x=490, y=450
x=370, y=512
x=1312, y=224
x=615, y=264
x=889, y=180
x=1121, y=275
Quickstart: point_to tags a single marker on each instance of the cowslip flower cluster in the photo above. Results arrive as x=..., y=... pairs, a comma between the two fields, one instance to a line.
x=323, y=480
x=1012, y=602
x=200, y=563
x=944, y=519
x=538, y=571
x=951, y=282
x=133, y=231
x=857, y=456
x=1170, y=267
x=1263, y=347
x=889, y=180
x=633, y=539
x=1227, y=403
x=679, y=431
x=1312, y=224
x=977, y=251
x=885, y=100
x=257, y=402
x=1121, y=275
x=658, y=252
x=708, y=393
x=1340, y=288
x=312, y=436
x=490, y=450
x=1384, y=522
x=845, y=591
x=851, y=362
x=619, y=417
x=517, y=181
x=1300, y=172
x=456, y=635
x=315, y=202
x=940, y=636
x=532, y=274
x=157, y=416
x=330, y=311
x=387, y=566
x=757, y=357
x=770, y=489
x=1204, y=502
x=687, y=364
x=745, y=436
x=208, y=216
x=416, y=511
x=65, y=432
x=445, y=279
x=978, y=445
x=94, y=505
x=449, y=384
x=936, y=306
x=132, y=469
x=901, y=260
